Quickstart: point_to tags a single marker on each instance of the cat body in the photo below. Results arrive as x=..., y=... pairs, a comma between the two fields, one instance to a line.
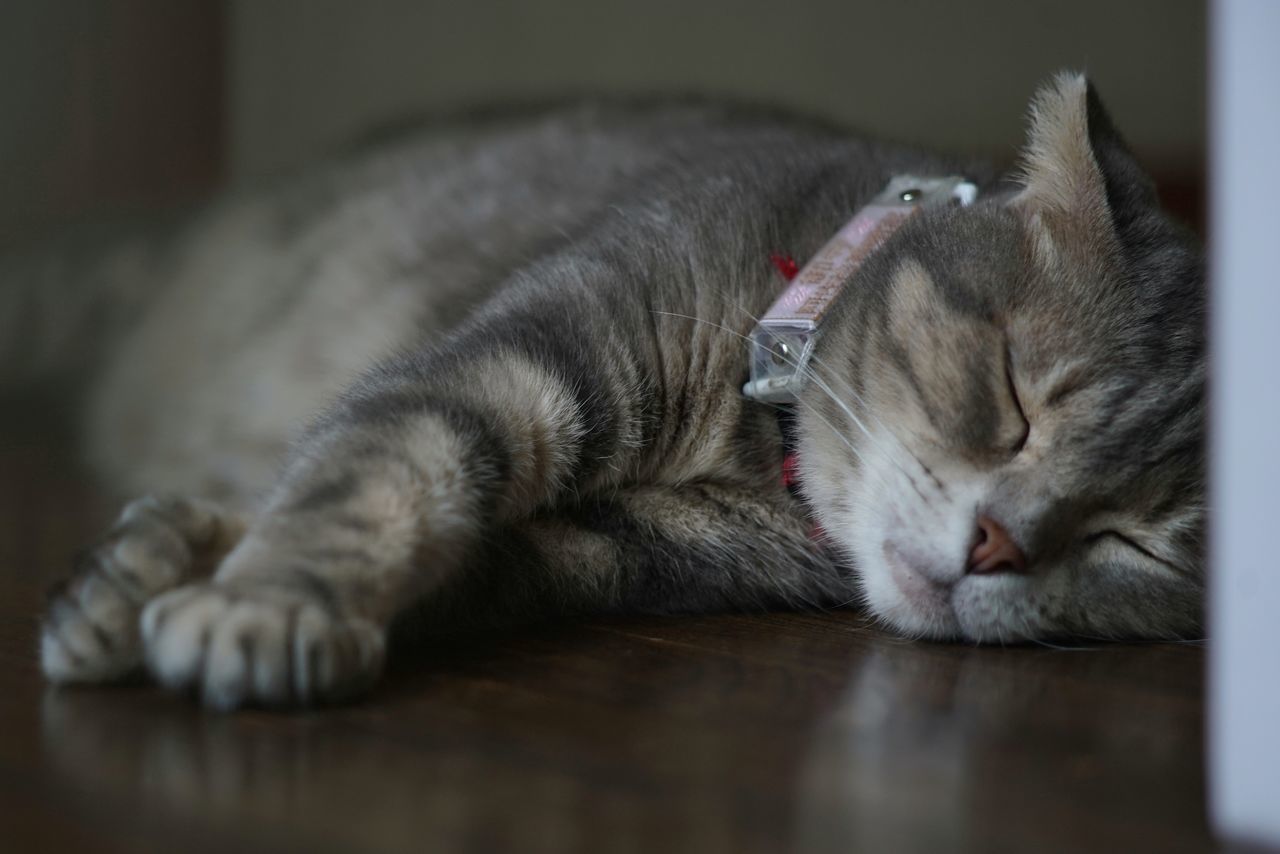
x=502, y=365
x=299, y=296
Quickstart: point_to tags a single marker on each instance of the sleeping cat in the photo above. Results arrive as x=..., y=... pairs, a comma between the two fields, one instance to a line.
x=502, y=363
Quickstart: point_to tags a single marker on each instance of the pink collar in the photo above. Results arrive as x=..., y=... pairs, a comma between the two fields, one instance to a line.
x=782, y=342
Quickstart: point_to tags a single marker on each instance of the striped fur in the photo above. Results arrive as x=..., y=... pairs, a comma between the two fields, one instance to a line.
x=516, y=349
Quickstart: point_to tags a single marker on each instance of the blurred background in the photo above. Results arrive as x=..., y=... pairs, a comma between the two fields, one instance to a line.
x=120, y=106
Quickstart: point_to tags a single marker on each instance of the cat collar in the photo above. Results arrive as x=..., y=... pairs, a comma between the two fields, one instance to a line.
x=782, y=342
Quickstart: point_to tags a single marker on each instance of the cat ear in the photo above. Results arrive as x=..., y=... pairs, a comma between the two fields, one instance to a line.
x=1079, y=178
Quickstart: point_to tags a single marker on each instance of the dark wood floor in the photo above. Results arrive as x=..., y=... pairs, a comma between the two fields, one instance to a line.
x=726, y=734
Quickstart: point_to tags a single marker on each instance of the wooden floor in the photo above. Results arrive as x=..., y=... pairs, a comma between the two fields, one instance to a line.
x=726, y=734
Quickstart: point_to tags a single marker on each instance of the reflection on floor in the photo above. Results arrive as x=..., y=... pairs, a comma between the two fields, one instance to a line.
x=734, y=734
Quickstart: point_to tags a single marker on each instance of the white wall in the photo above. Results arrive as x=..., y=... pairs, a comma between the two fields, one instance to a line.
x=307, y=76
x=1244, y=666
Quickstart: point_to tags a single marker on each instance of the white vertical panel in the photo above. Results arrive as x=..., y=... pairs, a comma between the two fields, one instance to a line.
x=1245, y=534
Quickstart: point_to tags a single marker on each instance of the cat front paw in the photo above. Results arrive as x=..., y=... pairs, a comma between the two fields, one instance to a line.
x=90, y=628
x=259, y=642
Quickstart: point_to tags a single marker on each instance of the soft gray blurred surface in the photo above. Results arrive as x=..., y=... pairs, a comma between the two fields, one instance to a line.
x=107, y=108
x=113, y=106
x=954, y=74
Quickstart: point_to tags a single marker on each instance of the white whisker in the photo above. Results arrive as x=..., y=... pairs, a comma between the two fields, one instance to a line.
x=812, y=373
x=839, y=435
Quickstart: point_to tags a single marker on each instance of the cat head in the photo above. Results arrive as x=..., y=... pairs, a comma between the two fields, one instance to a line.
x=1008, y=441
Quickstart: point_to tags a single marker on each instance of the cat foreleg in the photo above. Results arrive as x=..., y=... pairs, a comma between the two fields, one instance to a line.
x=385, y=500
x=691, y=548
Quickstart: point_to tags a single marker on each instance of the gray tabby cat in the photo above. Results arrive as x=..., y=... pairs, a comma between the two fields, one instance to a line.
x=517, y=345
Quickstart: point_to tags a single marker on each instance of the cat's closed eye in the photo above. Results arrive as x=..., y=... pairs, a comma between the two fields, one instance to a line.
x=1111, y=538
x=1020, y=441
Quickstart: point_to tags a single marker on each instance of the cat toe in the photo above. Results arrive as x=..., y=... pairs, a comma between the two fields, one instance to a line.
x=90, y=632
x=177, y=630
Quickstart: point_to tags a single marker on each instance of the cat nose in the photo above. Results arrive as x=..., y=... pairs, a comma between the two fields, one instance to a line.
x=994, y=550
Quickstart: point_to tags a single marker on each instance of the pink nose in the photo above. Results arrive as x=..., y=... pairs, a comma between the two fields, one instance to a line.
x=994, y=550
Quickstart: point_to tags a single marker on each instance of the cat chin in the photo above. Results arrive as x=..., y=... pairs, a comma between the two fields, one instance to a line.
x=907, y=601
x=971, y=608
x=995, y=610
